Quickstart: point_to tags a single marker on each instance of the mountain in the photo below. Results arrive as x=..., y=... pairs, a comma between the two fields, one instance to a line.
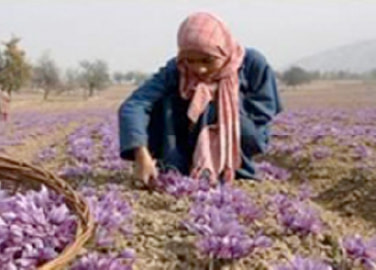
x=357, y=57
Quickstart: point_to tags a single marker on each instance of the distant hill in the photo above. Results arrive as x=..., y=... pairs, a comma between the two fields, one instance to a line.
x=357, y=57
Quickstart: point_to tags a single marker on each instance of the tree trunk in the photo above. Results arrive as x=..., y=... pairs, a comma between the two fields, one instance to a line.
x=46, y=94
x=91, y=91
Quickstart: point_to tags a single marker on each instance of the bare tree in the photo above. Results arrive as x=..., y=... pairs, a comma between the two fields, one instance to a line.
x=136, y=77
x=372, y=74
x=118, y=77
x=295, y=76
x=94, y=75
x=14, y=70
x=72, y=79
x=46, y=75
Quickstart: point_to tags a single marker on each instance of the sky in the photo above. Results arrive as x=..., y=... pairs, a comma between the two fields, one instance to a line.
x=141, y=35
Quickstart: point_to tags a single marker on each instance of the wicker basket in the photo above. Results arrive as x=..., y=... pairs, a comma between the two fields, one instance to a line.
x=17, y=175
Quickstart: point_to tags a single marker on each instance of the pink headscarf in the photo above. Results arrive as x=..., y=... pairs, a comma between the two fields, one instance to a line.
x=218, y=145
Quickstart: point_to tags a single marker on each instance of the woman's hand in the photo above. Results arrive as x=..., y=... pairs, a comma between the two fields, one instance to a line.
x=146, y=169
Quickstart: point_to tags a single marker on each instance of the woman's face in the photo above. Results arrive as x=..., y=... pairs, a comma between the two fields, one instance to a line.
x=202, y=64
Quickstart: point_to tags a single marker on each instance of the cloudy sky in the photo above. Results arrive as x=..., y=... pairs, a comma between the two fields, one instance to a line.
x=142, y=34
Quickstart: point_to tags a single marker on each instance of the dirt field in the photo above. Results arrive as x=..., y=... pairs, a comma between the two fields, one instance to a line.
x=343, y=182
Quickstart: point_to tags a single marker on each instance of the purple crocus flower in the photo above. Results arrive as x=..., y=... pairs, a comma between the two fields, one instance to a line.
x=34, y=228
x=269, y=171
x=97, y=261
x=218, y=217
x=111, y=212
x=362, y=152
x=176, y=184
x=357, y=249
x=300, y=263
x=321, y=152
x=297, y=215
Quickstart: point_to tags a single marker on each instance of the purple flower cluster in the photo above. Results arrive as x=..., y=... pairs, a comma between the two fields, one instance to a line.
x=297, y=215
x=34, y=228
x=321, y=152
x=361, y=152
x=268, y=171
x=113, y=216
x=218, y=217
x=81, y=154
x=359, y=250
x=98, y=261
x=92, y=150
x=176, y=184
x=111, y=212
x=109, y=159
x=28, y=124
x=305, y=133
x=239, y=201
x=80, y=145
x=300, y=263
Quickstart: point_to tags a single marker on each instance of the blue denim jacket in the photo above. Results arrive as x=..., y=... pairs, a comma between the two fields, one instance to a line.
x=259, y=102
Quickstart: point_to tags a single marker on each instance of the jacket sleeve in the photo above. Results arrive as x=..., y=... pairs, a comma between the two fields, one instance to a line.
x=134, y=112
x=259, y=103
